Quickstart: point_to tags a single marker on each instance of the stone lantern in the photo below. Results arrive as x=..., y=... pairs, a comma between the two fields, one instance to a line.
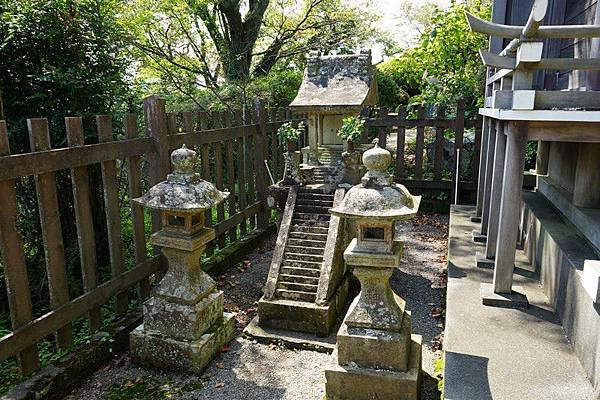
x=184, y=323
x=376, y=355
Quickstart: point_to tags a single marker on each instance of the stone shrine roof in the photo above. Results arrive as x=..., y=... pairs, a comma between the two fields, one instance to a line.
x=337, y=82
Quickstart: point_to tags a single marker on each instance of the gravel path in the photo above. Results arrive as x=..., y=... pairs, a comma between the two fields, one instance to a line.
x=248, y=370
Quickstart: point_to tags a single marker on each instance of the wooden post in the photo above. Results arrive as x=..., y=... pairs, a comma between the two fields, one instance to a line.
x=488, y=177
x=111, y=206
x=188, y=122
x=15, y=265
x=218, y=121
x=155, y=120
x=496, y=191
x=439, y=146
x=84, y=218
x=382, y=133
x=364, y=114
x=39, y=138
x=231, y=182
x=205, y=158
x=541, y=157
x=241, y=171
x=459, y=131
x=261, y=186
x=510, y=206
x=485, y=136
x=420, y=141
x=134, y=180
x=399, y=175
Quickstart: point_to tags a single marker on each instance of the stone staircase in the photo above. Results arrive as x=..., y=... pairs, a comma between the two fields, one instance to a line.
x=329, y=156
x=305, y=247
x=307, y=284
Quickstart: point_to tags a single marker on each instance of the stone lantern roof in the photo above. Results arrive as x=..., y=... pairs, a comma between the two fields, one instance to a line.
x=183, y=191
x=337, y=83
x=376, y=197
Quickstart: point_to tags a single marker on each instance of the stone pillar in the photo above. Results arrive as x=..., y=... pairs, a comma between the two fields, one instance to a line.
x=313, y=140
x=482, y=165
x=487, y=259
x=377, y=357
x=510, y=207
x=586, y=190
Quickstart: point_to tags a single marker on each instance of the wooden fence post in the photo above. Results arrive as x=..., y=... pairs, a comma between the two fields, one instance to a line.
x=459, y=131
x=420, y=143
x=439, y=146
x=111, y=208
x=47, y=196
x=364, y=114
x=382, y=134
x=155, y=119
x=231, y=177
x=15, y=266
x=399, y=175
x=84, y=218
x=260, y=141
x=134, y=181
x=241, y=168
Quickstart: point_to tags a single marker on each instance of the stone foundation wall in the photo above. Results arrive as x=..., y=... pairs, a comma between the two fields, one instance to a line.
x=558, y=250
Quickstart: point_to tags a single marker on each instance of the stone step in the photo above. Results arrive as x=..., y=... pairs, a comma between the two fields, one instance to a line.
x=305, y=279
x=293, y=263
x=300, y=223
x=311, y=216
x=322, y=230
x=315, y=273
x=302, y=249
x=303, y=257
x=307, y=242
x=311, y=209
x=312, y=192
x=308, y=236
x=296, y=295
x=314, y=202
x=300, y=287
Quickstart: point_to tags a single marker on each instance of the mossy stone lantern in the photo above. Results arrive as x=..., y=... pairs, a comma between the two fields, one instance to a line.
x=377, y=356
x=184, y=323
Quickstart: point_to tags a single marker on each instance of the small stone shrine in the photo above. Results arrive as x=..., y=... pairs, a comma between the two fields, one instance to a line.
x=334, y=87
x=184, y=323
x=376, y=356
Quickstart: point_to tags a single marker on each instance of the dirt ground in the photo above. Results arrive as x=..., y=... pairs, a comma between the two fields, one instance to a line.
x=248, y=370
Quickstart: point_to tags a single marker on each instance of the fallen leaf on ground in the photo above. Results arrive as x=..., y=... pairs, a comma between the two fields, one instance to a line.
x=219, y=385
x=220, y=365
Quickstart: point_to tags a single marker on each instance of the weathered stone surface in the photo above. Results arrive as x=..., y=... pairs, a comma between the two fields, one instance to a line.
x=183, y=321
x=374, y=348
x=303, y=316
x=149, y=348
x=375, y=357
x=291, y=172
x=352, y=168
x=184, y=189
x=514, y=299
x=337, y=81
x=350, y=382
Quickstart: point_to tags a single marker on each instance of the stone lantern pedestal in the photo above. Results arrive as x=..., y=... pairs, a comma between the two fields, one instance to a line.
x=184, y=323
x=376, y=356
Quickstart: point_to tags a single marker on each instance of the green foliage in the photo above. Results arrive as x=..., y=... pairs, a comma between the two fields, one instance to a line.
x=287, y=131
x=438, y=369
x=196, y=53
x=444, y=66
x=351, y=129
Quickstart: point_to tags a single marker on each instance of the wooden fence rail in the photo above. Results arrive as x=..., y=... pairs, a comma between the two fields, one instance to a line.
x=438, y=177
x=232, y=156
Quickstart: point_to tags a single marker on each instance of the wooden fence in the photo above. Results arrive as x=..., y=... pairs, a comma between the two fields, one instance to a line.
x=233, y=147
x=418, y=173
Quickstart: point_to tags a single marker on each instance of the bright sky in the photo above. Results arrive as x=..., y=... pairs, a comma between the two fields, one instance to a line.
x=393, y=21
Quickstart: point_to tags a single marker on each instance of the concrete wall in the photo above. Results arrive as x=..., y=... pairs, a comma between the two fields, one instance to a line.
x=558, y=250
